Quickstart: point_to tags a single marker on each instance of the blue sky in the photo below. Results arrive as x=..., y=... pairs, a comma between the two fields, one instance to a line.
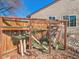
x=30, y=6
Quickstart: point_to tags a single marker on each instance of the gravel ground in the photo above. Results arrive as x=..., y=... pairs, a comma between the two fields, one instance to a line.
x=55, y=54
x=73, y=42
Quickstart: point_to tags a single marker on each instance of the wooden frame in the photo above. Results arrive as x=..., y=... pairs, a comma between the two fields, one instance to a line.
x=46, y=24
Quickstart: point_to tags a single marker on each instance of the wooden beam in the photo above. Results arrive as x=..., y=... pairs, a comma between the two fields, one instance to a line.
x=65, y=34
x=14, y=28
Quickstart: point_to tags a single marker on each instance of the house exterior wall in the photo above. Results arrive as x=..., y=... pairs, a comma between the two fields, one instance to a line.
x=60, y=9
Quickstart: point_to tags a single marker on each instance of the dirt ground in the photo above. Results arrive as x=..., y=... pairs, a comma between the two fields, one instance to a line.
x=55, y=54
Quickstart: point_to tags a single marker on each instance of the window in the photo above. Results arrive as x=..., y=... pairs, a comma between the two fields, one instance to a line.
x=71, y=19
x=66, y=18
x=52, y=18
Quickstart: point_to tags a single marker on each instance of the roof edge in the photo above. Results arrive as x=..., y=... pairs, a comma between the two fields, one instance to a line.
x=43, y=7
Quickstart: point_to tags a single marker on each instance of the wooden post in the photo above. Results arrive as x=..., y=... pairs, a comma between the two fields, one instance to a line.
x=24, y=45
x=21, y=47
x=0, y=51
x=65, y=34
x=30, y=36
x=49, y=37
x=1, y=45
x=41, y=34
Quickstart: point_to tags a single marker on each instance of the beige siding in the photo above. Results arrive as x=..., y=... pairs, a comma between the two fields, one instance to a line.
x=60, y=8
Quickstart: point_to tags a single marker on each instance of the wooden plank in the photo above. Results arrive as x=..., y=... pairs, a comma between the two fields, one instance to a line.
x=8, y=51
x=14, y=28
x=4, y=42
x=1, y=49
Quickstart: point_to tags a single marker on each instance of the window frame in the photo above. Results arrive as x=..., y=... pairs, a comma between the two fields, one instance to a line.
x=68, y=18
x=52, y=18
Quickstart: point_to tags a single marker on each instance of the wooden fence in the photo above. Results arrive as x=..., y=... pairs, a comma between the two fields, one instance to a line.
x=9, y=24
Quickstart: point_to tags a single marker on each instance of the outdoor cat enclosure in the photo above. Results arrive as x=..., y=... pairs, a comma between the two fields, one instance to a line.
x=31, y=28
